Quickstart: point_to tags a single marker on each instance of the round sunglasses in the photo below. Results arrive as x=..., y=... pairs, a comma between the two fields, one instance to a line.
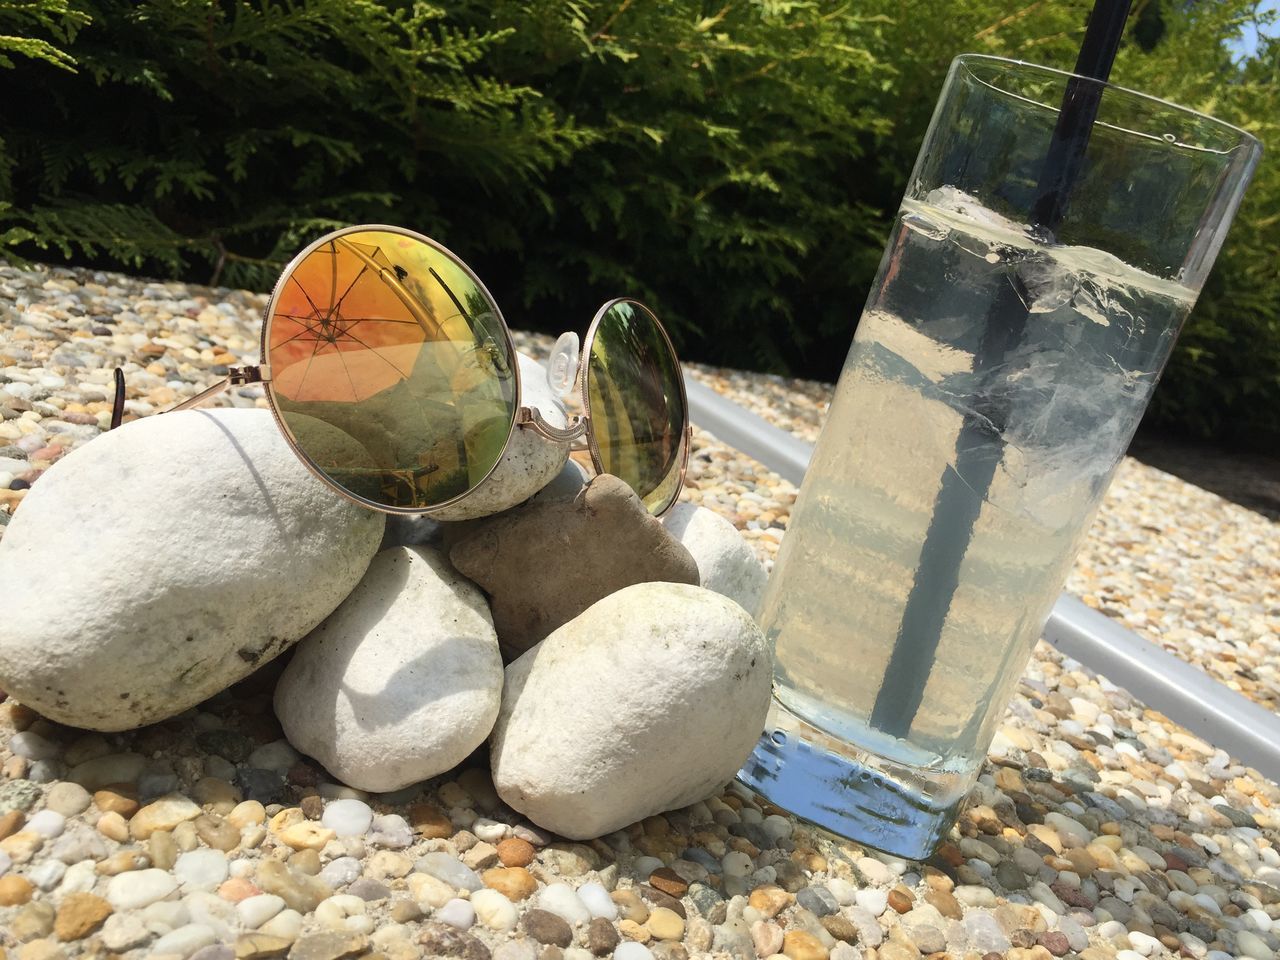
x=393, y=376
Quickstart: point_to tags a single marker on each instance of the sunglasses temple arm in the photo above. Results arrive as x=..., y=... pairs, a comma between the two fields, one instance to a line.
x=117, y=407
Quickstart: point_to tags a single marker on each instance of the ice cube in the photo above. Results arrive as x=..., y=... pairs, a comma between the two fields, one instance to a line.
x=925, y=227
x=1091, y=302
x=1043, y=285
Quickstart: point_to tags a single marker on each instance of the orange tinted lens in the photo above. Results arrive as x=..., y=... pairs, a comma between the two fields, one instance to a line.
x=391, y=368
x=638, y=413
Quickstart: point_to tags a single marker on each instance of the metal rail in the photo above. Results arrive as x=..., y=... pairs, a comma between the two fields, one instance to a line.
x=1179, y=690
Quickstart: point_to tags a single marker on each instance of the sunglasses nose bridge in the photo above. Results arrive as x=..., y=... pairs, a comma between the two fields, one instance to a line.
x=530, y=419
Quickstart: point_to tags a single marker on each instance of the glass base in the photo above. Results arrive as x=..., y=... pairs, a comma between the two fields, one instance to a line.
x=899, y=809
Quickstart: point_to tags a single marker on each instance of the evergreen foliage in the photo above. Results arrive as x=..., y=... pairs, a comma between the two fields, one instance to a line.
x=735, y=163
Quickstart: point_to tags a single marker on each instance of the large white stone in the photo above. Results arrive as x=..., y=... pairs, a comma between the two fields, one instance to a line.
x=530, y=461
x=402, y=681
x=649, y=700
x=726, y=562
x=164, y=561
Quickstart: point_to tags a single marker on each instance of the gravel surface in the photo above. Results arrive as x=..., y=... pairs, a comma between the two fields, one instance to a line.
x=1098, y=829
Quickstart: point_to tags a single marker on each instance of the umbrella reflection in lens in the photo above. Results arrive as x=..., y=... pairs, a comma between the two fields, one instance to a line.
x=389, y=340
x=636, y=402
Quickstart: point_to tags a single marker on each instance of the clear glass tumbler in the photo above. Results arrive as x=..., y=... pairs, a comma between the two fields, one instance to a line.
x=998, y=372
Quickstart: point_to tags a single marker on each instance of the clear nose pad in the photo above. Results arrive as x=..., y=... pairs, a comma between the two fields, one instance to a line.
x=562, y=368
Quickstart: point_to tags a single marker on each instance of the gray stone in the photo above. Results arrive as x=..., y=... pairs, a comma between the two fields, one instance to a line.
x=369, y=890
x=265, y=786
x=442, y=940
x=985, y=933
x=401, y=682
x=229, y=744
x=222, y=550
x=1010, y=877
x=18, y=795
x=521, y=949
x=734, y=937
x=704, y=898
x=928, y=938
x=449, y=869
x=581, y=550
x=817, y=900
x=1238, y=818
x=68, y=799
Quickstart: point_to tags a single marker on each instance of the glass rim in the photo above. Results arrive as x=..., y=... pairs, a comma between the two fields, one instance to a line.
x=269, y=311
x=592, y=446
x=1247, y=139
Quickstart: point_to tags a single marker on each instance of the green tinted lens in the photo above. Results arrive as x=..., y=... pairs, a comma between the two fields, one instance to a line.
x=637, y=405
x=391, y=368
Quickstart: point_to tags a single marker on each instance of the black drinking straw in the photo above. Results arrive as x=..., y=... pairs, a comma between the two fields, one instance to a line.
x=980, y=446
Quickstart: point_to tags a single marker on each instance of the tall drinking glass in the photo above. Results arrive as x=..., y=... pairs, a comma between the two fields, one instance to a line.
x=997, y=375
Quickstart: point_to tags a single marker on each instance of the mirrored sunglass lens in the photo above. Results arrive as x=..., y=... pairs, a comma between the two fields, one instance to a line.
x=391, y=369
x=637, y=404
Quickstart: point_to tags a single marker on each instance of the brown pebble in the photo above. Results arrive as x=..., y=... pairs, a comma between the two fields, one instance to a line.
x=79, y=915
x=216, y=832
x=949, y=854
x=770, y=900
x=429, y=821
x=669, y=882
x=405, y=911
x=1056, y=943
x=602, y=938
x=945, y=903
x=660, y=899
x=633, y=931
x=630, y=906
x=546, y=927
x=665, y=924
x=113, y=826
x=123, y=861
x=32, y=921
x=900, y=899
x=514, y=883
x=312, y=807
x=15, y=768
x=801, y=945
x=333, y=945
x=1022, y=938
x=515, y=852
x=937, y=880
x=260, y=946
x=11, y=823
x=164, y=852
x=110, y=800
x=20, y=715
x=840, y=928
x=306, y=862
x=14, y=890
x=23, y=845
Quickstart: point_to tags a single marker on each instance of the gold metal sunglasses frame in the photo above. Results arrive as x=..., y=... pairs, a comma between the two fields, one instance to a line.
x=526, y=418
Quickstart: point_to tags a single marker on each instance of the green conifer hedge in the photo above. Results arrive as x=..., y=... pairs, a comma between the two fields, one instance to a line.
x=736, y=163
